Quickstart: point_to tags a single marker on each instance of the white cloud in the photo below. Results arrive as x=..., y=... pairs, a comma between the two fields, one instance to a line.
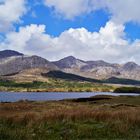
x=70, y=9
x=108, y=44
x=10, y=12
x=121, y=10
x=124, y=10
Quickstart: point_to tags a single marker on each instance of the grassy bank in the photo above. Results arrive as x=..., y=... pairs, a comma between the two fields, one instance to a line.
x=127, y=90
x=54, y=86
x=103, y=117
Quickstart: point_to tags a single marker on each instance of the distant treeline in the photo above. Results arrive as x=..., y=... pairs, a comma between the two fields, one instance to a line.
x=127, y=90
x=7, y=83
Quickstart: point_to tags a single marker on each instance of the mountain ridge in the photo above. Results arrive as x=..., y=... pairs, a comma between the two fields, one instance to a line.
x=99, y=69
x=14, y=62
x=9, y=53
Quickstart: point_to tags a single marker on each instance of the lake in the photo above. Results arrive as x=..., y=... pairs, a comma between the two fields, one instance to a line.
x=50, y=96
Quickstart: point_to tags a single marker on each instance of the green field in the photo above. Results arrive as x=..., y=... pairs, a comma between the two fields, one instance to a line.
x=54, y=85
x=99, y=118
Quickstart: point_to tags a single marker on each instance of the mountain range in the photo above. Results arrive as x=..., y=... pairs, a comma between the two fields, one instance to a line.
x=98, y=69
x=17, y=65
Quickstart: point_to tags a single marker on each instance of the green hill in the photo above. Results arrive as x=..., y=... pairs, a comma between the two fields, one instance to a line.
x=115, y=80
x=68, y=76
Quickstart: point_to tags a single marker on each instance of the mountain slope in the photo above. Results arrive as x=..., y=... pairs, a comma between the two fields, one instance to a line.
x=9, y=53
x=73, y=77
x=68, y=76
x=15, y=64
x=99, y=69
x=115, y=80
x=69, y=62
x=12, y=62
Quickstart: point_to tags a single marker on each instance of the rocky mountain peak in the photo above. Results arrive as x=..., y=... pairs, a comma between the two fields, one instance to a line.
x=69, y=62
x=130, y=66
x=9, y=53
x=69, y=58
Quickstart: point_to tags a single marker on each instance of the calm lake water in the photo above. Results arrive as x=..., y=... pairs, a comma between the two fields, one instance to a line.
x=50, y=96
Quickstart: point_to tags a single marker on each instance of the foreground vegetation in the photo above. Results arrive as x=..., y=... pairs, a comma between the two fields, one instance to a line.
x=54, y=85
x=100, y=118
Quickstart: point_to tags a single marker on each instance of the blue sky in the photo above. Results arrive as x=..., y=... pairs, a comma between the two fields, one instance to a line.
x=87, y=29
x=55, y=25
x=132, y=31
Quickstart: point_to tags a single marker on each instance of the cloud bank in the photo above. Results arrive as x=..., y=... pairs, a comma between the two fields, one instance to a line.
x=121, y=11
x=10, y=12
x=108, y=44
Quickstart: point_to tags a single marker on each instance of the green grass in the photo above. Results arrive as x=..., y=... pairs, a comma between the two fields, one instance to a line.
x=22, y=85
x=58, y=85
x=54, y=85
x=66, y=130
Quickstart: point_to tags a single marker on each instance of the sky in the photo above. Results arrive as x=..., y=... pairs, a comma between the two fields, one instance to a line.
x=87, y=29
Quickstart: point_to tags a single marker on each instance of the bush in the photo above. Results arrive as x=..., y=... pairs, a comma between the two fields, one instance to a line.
x=127, y=90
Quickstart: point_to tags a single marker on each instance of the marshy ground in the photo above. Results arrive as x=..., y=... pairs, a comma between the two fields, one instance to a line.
x=97, y=118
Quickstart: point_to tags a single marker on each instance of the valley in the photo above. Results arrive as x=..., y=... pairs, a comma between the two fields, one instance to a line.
x=99, y=117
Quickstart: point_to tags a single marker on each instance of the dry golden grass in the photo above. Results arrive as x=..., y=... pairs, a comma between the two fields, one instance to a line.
x=109, y=119
x=53, y=111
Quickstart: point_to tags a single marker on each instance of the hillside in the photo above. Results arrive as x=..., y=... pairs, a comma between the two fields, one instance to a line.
x=9, y=53
x=73, y=77
x=67, y=76
x=122, y=81
x=99, y=69
x=15, y=64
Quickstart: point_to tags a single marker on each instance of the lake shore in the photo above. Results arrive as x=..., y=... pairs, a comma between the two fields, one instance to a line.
x=55, y=96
